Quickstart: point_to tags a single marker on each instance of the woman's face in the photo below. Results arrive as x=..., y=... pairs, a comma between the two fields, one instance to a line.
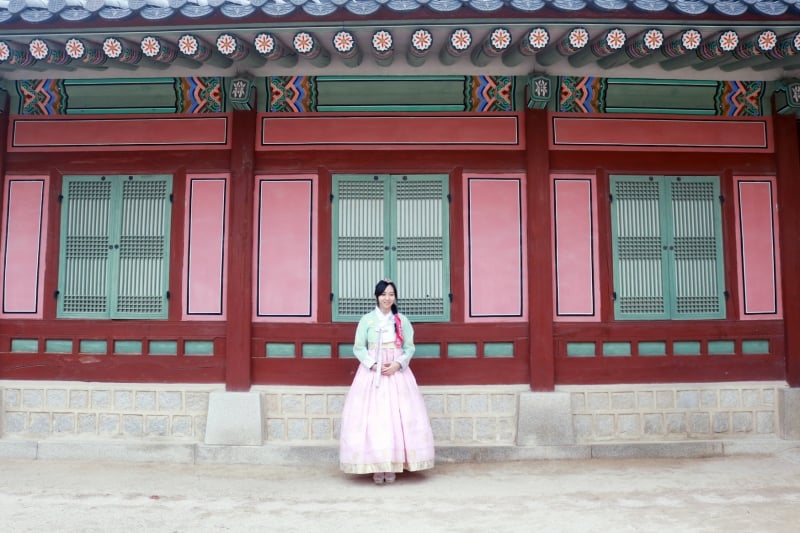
x=386, y=299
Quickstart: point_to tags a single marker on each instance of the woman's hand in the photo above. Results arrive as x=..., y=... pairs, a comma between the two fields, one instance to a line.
x=390, y=368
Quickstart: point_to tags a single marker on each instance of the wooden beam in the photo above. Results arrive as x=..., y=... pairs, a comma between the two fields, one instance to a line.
x=307, y=46
x=575, y=40
x=752, y=50
x=674, y=47
x=383, y=47
x=196, y=49
x=50, y=53
x=18, y=56
x=498, y=41
x=457, y=44
x=421, y=45
x=787, y=50
x=531, y=44
x=129, y=53
x=608, y=43
x=91, y=54
x=641, y=45
x=717, y=51
x=239, y=51
x=272, y=49
x=159, y=50
x=346, y=46
x=707, y=50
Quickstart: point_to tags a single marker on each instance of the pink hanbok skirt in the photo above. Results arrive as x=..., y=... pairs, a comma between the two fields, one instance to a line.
x=385, y=428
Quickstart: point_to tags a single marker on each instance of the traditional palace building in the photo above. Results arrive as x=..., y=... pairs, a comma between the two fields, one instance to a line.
x=590, y=208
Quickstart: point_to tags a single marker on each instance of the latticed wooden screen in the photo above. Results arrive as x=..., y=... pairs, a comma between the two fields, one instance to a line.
x=114, y=260
x=396, y=227
x=667, y=245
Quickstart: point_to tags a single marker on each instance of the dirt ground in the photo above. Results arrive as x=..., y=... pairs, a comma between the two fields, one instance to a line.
x=741, y=493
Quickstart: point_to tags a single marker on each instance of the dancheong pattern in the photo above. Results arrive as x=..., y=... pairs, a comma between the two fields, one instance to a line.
x=740, y=98
x=291, y=94
x=199, y=95
x=41, y=97
x=582, y=95
x=732, y=99
x=489, y=93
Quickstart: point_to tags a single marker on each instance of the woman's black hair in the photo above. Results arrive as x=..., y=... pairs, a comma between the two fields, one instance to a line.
x=380, y=288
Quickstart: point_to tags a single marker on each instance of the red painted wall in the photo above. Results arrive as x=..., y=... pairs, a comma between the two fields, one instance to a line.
x=539, y=343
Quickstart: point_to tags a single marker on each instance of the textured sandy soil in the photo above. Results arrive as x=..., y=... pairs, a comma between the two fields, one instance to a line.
x=731, y=494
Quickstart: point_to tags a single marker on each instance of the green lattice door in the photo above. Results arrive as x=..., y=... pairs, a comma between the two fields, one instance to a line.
x=114, y=253
x=391, y=226
x=667, y=245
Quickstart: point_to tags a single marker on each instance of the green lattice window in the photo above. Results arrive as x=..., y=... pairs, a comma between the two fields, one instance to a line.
x=667, y=245
x=396, y=227
x=114, y=253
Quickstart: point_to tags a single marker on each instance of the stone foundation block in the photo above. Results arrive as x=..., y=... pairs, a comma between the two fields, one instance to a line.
x=789, y=413
x=545, y=419
x=234, y=419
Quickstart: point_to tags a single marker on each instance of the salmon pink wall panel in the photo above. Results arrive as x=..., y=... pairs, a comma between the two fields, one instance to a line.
x=636, y=132
x=286, y=255
x=495, y=244
x=328, y=131
x=574, y=238
x=23, y=243
x=757, y=247
x=205, y=241
x=140, y=132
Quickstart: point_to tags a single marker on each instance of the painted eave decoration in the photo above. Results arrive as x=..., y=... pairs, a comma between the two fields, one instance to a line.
x=42, y=11
x=734, y=39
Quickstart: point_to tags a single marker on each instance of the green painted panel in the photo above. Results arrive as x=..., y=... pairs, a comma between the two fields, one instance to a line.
x=696, y=237
x=411, y=244
x=280, y=349
x=462, y=349
x=346, y=351
x=445, y=93
x=427, y=351
x=316, y=351
x=93, y=346
x=86, y=244
x=650, y=348
x=140, y=275
x=581, y=349
x=58, y=346
x=128, y=347
x=616, y=349
x=156, y=95
x=686, y=347
x=163, y=347
x=25, y=345
x=498, y=349
x=755, y=347
x=666, y=96
x=198, y=347
x=721, y=347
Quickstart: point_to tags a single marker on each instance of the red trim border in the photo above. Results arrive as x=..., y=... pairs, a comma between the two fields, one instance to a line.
x=114, y=133
x=640, y=132
x=429, y=131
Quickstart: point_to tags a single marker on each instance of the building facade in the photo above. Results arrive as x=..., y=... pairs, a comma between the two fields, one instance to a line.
x=588, y=210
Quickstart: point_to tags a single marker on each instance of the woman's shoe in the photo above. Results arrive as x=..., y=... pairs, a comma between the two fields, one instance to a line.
x=389, y=477
x=378, y=478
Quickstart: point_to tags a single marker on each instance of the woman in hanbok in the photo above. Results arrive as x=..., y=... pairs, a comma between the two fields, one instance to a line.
x=385, y=427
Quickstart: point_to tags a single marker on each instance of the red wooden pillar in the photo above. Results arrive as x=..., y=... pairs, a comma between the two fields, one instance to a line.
x=540, y=252
x=787, y=151
x=5, y=102
x=240, y=248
